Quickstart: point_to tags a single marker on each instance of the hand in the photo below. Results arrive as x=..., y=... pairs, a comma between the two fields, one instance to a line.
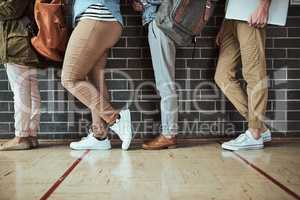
x=259, y=18
x=220, y=35
x=137, y=6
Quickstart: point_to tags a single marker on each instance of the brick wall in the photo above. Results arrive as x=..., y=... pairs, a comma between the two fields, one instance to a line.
x=204, y=111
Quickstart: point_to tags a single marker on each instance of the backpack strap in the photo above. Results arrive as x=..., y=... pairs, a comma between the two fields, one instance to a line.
x=209, y=9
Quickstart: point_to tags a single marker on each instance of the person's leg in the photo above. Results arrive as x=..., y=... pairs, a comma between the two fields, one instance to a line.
x=19, y=79
x=88, y=43
x=35, y=107
x=96, y=77
x=252, y=45
x=82, y=54
x=163, y=53
x=225, y=76
x=231, y=86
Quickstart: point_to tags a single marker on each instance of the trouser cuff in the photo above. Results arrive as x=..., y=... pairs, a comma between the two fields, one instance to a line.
x=22, y=133
x=256, y=124
x=169, y=131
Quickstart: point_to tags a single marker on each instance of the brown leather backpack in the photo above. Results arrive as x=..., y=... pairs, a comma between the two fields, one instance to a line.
x=53, y=34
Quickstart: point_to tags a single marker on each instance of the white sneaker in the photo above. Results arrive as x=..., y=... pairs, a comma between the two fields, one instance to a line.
x=244, y=142
x=90, y=142
x=122, y=128
x=266, y=136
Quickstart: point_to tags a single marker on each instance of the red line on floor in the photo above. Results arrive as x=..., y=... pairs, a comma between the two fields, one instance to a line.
x=272, y=179
x=64, y=176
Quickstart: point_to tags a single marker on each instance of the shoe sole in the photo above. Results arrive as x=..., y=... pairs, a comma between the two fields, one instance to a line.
x=233, y=148
x=90, y=148
x=126, y=144
x=17, y=148
x=160, y=148
x=128, y=140
x=267, y=139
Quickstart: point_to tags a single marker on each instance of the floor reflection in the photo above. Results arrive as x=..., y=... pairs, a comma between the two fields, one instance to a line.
x=196, y=172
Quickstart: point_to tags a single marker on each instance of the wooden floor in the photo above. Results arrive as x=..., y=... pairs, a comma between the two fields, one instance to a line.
x=201, y=171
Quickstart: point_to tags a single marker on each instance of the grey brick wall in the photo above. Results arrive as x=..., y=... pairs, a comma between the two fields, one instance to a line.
x=204, y=111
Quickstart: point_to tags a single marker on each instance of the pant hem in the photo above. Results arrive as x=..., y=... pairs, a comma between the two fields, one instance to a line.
x=22, y=134
x=256, y=124
x=169, y=132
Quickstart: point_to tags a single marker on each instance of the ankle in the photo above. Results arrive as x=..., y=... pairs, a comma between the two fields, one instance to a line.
x=256, y=133
x=98, y=130
x=169, y=136
x=115, y=120
x=264, y=129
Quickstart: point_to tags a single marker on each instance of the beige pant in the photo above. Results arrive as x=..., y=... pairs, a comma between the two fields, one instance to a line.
x=86, y=58
x=24, y=84
x=242, y=43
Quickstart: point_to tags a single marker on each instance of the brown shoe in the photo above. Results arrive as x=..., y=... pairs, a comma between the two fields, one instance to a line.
x=18, y=143
x=160, y=142
x=33, y=142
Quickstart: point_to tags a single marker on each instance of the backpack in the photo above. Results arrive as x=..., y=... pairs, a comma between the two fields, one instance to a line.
x=52, y=38
x=183, y=20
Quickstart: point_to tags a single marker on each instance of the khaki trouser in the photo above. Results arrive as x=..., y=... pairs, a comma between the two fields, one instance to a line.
x=242, y=43
x=85, y=57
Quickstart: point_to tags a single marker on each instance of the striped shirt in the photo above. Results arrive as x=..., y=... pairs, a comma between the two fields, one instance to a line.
x=96, y=12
